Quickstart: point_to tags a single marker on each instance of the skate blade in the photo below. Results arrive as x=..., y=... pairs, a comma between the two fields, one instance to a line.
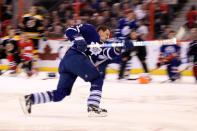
x=22, y=105
x=93, y=114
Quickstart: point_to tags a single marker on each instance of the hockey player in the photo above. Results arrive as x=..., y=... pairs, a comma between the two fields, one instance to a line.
x=125, y=25
x=192, y=51
x=11, y=49
x=170, y=56
x=32, y=25
x=139, y=51
x=122, y=31
x=80, y=61
x=26, y=48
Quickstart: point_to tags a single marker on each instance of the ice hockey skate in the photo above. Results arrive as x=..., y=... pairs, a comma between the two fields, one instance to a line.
x=26, y=104
x=94, y=111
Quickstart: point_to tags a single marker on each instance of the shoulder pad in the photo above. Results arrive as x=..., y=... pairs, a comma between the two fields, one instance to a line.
x=16, y=37
x=26, y=15
x=39, y=17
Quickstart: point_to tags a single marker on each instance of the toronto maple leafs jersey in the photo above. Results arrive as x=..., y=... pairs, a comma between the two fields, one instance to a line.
x=167, y=50
x=124, y=28
x=89, y=33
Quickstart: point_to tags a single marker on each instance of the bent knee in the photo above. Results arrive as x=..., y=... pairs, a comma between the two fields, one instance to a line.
x=91, y=77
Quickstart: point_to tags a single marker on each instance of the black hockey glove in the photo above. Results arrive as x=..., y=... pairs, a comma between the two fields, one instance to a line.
x=80, y=44
x=159, y=64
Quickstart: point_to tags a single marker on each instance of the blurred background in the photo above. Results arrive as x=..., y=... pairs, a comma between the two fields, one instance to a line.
x=159, y=16
x=45, y=22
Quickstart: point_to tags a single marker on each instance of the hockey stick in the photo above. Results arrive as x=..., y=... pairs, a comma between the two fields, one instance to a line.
x=186, y=68
x=138, y=78
x=48, y=78
x=136, y=43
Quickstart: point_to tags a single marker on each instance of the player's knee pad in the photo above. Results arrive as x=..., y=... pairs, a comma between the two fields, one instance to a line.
x=97, y=84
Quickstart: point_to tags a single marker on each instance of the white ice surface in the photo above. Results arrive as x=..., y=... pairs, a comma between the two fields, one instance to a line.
x=131, y=106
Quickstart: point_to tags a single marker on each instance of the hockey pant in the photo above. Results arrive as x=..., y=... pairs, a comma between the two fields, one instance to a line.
x=172, y=69
x=126, y=65
x=73, y=64
x=27, y=59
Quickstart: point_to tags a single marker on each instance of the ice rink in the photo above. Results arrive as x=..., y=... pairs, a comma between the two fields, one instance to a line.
x=131, y=106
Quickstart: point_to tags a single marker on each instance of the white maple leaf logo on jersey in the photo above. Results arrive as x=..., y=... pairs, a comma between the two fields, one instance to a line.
x=126, y=30
x=95, y=49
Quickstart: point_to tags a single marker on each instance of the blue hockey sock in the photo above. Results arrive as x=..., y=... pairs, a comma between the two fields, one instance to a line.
x=94, y=98
x=95, y=92
x=38, y=98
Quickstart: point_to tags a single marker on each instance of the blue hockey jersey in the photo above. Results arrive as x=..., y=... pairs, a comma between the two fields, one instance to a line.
x=91, y=37
x=167, y=50
x=124, y=28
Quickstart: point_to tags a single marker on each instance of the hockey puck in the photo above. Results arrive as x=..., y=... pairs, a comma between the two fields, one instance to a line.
x=52, y=74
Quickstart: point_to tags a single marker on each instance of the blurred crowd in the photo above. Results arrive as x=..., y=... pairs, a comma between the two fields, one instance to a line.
x=98, y=12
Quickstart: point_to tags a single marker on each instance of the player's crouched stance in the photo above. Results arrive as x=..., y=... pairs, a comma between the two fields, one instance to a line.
x=81, y=61
x=170, y=56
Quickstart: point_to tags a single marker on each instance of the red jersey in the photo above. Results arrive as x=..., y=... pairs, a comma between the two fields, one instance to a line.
x=26, y=46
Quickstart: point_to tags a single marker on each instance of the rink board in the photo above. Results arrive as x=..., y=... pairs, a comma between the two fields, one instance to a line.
x=52, y=51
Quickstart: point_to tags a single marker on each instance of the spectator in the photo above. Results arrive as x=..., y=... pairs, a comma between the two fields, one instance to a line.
x=57, y=31
x=107, y=15
x=158, y=20
x=113, y=25
x=116, y=10
x=102, y=7
x=84, y=19
x=191, y=17
x=46, y=22
x=100, y=20
x=140, y=11
x=86, y=11
x=6, y=25
x=83, y=4
x=54, y=14
x=142, y=30
x=61, y=11
x=7, y=15
x=95, y=4
x=166, y=32
x=93, y=19
x=164, y=9
x=32, y=24
x=125, y=8
x=68, y=15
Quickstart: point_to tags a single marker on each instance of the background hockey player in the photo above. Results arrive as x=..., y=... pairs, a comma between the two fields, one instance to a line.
x=32, y=25
x=139, y=51
x=122, y=31
x=26, y=47
x=170, y=56
x=11, y=49
x=80, y=61
x=192, y=51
